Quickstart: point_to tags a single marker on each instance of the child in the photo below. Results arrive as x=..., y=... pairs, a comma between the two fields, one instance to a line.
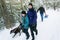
x=25, y=23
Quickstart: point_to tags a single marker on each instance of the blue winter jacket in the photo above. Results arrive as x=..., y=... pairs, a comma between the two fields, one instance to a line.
x=32, y=15
x=25, y=22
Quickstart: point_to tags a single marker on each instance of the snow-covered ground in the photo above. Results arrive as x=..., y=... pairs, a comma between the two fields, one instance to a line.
x=47, y=30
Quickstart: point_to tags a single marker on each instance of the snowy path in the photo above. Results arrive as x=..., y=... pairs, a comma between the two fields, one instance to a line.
x=50, y=28
x=47, y=30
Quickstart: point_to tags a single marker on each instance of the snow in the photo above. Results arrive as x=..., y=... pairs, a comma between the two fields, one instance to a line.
x=49, y=29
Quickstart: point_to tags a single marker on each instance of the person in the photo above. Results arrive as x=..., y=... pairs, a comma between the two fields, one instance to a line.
x=32, y=15
x=42, y=11
x=25, y=24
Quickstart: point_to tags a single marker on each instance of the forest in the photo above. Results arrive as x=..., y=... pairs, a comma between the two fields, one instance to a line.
x=10, y=10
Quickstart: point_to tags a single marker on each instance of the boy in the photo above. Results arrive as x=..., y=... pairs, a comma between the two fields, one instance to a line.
x=25, y=24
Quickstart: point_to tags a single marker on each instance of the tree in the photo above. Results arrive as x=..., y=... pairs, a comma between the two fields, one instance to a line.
x=31, y=0
x=8, y=19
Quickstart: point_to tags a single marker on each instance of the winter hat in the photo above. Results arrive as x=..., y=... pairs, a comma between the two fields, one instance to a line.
x=31, y=4
x=23, y=12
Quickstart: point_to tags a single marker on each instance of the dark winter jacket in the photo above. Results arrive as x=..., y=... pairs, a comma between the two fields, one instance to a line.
x=41, y=9
x=25, y=22
x=32, y=15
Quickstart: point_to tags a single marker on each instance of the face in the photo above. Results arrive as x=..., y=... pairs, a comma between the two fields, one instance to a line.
x=23, y=15
x=30, y=6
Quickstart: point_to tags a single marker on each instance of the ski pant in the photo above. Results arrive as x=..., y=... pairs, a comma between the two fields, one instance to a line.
x=41, y=16
x=26, y=32
x=33, y=29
